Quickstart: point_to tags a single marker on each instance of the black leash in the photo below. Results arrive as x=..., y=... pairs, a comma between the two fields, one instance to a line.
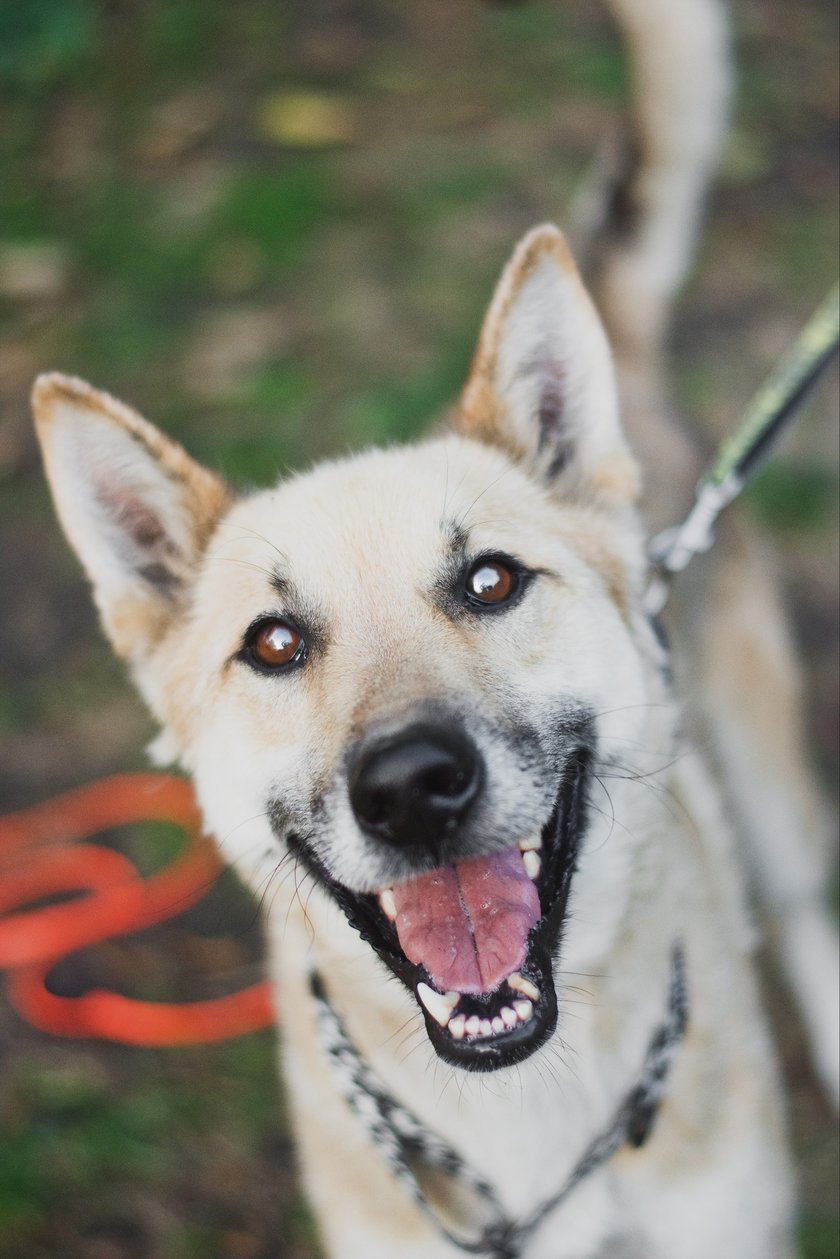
x=743, y=452
x=402, y=1139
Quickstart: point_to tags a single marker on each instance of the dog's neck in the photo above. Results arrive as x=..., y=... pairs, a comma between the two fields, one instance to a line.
x=408, y=1145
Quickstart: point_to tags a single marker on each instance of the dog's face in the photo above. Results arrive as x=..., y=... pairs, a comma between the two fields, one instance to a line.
x=403, y=665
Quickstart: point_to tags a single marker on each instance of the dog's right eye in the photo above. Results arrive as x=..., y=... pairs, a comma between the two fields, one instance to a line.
x=275, y=644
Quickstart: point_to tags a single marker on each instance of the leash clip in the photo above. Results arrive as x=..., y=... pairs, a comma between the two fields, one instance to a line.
x=672, y=550
x=741, y=454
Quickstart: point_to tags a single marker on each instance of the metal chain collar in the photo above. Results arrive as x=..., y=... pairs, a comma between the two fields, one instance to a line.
x=402, y=1139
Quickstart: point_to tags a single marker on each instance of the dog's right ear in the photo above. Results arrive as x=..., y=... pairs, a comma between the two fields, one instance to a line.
x=542, y=385
x=134, y=505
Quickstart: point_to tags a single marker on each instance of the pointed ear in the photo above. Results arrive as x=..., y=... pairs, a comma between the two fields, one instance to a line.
x=135, y=507
x=542, y=384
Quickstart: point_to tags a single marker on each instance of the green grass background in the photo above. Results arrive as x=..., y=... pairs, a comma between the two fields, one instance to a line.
x=273, y=228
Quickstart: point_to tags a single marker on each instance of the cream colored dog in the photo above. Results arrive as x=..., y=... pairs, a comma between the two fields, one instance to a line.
x=421, y=679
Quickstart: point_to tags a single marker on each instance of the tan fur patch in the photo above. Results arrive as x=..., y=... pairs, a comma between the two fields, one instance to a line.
x=597, y=553
x=617, y=480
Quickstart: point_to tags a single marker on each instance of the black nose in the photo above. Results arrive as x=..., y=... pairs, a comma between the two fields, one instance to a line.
x=415, y=787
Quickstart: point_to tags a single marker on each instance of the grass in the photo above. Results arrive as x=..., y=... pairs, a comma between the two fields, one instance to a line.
x=79, y=1145
x=817, y=1236
x=45, y=43
x=796, y=497
x=282, y=209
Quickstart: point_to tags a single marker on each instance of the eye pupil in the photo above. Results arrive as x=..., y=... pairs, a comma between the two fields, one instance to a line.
x=276, y=644
x=490, y=582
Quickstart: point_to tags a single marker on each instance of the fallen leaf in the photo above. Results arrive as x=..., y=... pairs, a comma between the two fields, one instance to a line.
x=306, y=120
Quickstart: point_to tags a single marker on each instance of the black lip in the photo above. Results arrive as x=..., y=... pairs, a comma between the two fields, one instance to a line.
x=562, y=835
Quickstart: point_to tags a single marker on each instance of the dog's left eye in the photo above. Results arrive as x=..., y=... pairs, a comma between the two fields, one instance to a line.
x=491, y=583
x=275, y=644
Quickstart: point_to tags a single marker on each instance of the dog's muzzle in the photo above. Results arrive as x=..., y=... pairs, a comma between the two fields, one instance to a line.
x=472, y=921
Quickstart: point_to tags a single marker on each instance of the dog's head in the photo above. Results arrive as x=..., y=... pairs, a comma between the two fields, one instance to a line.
x=400, y=667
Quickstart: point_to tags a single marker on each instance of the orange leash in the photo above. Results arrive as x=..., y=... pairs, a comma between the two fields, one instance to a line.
x=41, y=858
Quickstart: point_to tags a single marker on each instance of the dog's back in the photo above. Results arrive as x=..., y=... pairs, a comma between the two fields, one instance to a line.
x=735, y=662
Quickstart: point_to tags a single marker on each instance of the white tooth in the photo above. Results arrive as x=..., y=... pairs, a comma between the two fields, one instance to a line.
x=532, y=861
x=526, y=845
x=523, y=985
x=388, y=904
x=486, y=1027
x=473, y=1025
x=498, y=1025
x=508, y=1017
x=524, y=1010
x=457, y=1027
x=439, y=1005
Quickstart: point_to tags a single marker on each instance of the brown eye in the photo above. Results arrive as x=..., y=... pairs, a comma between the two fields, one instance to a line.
x=276, y=644
x=491, y=582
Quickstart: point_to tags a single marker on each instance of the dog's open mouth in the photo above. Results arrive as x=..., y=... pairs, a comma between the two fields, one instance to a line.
x=469, y=930
x=475, y=940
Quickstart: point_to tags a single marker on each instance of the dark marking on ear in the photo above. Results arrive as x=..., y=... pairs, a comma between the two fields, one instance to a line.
x=558, y=463
x=145, y=545
x=161, y=577
x=550, y=409
x=551, y=415
x=144, y=528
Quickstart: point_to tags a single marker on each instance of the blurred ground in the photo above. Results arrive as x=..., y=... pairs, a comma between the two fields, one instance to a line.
x=273, y=227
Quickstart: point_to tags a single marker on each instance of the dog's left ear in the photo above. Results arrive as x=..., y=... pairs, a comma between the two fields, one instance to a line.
x=542, y=385
x=136, y=508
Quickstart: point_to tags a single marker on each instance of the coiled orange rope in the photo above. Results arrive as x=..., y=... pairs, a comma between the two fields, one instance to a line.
x=40, y=857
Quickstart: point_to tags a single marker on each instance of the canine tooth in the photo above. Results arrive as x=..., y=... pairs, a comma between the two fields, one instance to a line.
x=528, y=845
x=388, y=904
x=457, y=1027
x=524, y=1010
x=473, y=1025
x=498, y=1025
x=508, y=1017
x=440, y=1005
x=523, y=985
x=486, y=1027
x=532, y=861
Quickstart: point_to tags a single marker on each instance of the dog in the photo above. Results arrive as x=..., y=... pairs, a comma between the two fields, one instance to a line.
x=519, y=985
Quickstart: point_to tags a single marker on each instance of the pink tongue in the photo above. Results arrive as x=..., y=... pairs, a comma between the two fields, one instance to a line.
x=468, y=923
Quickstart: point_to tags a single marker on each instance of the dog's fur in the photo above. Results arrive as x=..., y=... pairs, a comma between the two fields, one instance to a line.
x=368, y=558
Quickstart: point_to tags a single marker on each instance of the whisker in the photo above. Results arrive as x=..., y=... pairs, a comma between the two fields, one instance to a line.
x=505, y=472
x=408, y=1022
x=245, y=531
x=233, y=559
